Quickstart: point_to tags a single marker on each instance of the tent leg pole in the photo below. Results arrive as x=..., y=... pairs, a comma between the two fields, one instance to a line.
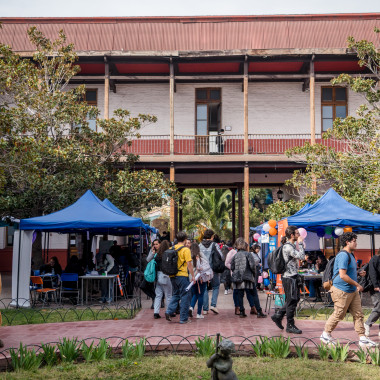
x=372, y=244
x=18, y=266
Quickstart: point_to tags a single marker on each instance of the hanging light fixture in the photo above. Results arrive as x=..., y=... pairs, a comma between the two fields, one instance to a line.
x=280, y=194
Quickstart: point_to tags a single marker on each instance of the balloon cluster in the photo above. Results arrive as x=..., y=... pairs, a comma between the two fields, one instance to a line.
x=270, y=227
x=329, y=231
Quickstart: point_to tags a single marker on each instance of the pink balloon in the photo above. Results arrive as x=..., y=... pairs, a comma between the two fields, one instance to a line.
x=256, y=236
x=302, y=232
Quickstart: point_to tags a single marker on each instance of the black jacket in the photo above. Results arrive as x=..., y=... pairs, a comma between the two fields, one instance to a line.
x=374, y=271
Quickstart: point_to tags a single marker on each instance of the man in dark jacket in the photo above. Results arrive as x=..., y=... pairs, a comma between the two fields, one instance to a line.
x=206, y=247
x=374, y=275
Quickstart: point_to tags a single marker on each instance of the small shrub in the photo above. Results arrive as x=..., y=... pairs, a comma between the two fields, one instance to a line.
x=323, y=351
x=206, y=346
x=101, y=351
x=87, y=351
x=375, y=356
x=339, y=352
x=261, y=347
x=49, y=355
x=24, y=359
x=362, y=356
x=69, y=349
x=279, y=347
x=134, y=352
x=302, y=353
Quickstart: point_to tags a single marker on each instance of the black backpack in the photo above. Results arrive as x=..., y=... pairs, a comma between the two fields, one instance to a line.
x=276, y=261
x=216, y=262
x=365, y=281
x=328, y=278
x=169, y=265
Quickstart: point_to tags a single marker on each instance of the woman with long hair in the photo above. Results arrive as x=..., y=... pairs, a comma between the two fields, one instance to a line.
x=163, y=285
x=203, y=273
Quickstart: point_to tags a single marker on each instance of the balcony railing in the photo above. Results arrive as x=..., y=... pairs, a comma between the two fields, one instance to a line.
x=270, y=144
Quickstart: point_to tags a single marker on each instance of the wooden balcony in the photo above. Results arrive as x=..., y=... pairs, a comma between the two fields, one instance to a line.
x=258, y=144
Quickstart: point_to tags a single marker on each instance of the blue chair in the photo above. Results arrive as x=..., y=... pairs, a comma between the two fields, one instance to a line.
x=69, y=285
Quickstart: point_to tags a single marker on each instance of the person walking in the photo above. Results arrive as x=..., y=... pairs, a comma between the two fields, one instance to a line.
x=181, y=281
x=374, y=275
x=203, y=274
x=206, y=247
x=345, y=293
x=291, y=281
x=163, y=284
x=243, y=268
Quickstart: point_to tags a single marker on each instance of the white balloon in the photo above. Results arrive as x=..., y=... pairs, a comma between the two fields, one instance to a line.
x=338, y=231
x=266, y=227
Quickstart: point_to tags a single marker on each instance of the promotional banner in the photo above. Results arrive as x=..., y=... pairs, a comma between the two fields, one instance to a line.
x=282, y=225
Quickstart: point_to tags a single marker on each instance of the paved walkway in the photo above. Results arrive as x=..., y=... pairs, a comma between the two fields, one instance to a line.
x=144, y=325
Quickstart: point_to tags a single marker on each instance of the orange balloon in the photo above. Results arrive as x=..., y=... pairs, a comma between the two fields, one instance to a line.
x=347, y=229
x=272, y=232
x=272, y=223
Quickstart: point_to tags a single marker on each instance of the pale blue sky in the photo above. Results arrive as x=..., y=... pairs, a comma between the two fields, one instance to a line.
x=78, y=8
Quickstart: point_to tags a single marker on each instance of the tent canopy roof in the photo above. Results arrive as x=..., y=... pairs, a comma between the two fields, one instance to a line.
x=88, y=213
x=333, y=210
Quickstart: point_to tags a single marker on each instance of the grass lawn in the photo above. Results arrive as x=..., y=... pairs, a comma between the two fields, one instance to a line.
x=13, y=317
x=324, y=313
x=188, y=367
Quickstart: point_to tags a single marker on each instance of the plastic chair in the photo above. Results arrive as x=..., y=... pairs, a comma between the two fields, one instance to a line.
x=65, y=289
x=39, y=284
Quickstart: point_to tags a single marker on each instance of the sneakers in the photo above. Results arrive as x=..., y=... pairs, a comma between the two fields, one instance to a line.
x=191, y=312
x=293, y=329
x=184, y=322
x=205, y=312
x=367, y=328
x=225, y=292
x=277, y=320
x=326, y=338
x=260, y=314
x=157, y=316
x=200, y=316
x=366, y=342
x=168, y=317
x=214, y=309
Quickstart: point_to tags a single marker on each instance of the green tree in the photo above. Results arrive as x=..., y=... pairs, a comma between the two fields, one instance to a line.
x=354, y=169
x=48, y=154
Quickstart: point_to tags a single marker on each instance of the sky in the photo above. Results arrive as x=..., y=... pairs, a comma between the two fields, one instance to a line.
x=99, y=8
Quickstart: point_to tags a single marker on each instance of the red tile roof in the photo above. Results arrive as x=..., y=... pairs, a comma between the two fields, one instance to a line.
x=204, y=33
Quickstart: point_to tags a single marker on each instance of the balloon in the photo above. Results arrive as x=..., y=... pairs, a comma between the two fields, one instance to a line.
x=303, y=233
x=320, y=232
x=266, y=282
x=338, y=231
x=256, y=236
x=328, y=230
x=272, y=231
x=272, y=223
x=266, y=227
x=347, y=229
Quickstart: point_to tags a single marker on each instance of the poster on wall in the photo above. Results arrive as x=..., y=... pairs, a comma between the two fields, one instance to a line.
x=272, y=243
x=264, y=238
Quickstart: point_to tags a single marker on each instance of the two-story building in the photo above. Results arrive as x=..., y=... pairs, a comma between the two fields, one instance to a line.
x=231, y=93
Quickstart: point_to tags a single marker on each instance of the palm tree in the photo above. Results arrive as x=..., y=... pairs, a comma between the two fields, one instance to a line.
x=210, y=208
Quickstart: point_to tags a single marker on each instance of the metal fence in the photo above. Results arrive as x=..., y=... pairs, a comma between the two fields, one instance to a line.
x=270, y=144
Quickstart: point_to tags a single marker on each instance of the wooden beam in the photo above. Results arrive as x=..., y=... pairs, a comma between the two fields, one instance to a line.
x=240, y=210
x=246, y=106
x=172, y=205
x=171, y=106
x=106, y=88
x=246, y=202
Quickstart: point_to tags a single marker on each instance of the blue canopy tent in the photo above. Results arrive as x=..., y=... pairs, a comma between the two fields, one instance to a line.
x=88, y=214
x=334, y=211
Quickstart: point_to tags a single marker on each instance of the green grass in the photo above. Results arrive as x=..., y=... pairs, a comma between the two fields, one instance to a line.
x=190, y=367
x=323, y=314
x=14, y=317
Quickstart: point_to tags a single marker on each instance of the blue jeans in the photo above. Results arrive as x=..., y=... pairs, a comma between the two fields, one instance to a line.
x=198, y=295
x=215, y=283
x=253, y=298
x=179, y=285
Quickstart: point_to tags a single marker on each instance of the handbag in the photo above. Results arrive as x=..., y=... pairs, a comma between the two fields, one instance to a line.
x=260, y=280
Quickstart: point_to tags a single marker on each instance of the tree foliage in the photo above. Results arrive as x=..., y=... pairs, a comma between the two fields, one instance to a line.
x=353, y=169
x=48, y=154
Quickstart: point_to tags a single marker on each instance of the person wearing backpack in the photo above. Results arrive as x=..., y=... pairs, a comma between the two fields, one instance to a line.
x=291, y=281
x=211, y=250
x=180, y=281
x=203, y=269
x=345, y=293
x=374, y=276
